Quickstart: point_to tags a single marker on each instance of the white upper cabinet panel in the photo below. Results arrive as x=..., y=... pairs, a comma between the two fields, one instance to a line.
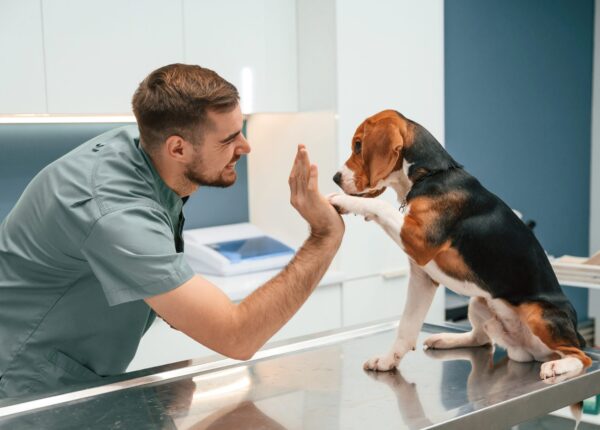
x=252, y=44
x=316, y=54
x=22, y=87
x=281, y=72
x=97, y=52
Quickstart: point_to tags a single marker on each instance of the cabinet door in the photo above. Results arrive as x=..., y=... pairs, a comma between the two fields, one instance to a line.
x=97, y=52
x=163, y=345
x=251, y=44
x=373, y=298
x=321, y=312
x=22, y=88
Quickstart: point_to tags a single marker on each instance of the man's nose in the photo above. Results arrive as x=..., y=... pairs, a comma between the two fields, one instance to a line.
x=245, y=147
x=337, y=178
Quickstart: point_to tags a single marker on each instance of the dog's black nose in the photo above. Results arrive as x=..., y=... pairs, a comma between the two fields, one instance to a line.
x=337, y=178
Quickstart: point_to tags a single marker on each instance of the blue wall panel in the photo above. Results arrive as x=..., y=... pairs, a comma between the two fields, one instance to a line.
x=518, y=86
x=26, y=149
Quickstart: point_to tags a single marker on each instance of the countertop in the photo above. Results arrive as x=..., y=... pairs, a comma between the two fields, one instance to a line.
x=317, y=382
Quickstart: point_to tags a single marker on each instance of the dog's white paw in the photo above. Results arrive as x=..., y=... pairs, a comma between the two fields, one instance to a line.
x=383, y=363
x=339, y=202
x=435, y=341
x=355, y=205
x=559, y=370
x=450, y=340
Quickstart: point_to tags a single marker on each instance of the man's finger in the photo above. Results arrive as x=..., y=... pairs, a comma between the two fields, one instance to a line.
x=304, y=160
x=296, y=164
x=313, y=179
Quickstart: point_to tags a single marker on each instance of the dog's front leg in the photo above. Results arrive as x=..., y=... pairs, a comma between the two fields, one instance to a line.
x=421, y=290
x=380, y=211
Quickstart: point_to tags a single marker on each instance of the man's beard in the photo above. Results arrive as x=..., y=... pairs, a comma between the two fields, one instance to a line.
x=198, y=177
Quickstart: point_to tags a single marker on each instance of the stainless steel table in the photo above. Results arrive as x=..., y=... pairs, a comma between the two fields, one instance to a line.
x=316, y=383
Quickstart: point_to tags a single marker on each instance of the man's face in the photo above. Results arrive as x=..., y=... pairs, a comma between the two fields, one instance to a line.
x=222, y=146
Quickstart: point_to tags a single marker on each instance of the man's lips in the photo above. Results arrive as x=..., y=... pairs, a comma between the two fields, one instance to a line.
x=233, y=163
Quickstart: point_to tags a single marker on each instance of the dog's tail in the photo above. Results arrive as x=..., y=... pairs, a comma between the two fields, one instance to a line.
x=577, y=411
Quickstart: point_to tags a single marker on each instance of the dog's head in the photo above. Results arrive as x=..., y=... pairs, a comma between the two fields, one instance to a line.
x=377, y=147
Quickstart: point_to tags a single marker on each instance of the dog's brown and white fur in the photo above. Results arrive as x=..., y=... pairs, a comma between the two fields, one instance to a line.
x=458, y=234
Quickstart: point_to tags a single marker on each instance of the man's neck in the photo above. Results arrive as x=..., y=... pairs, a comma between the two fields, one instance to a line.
x=171, y=175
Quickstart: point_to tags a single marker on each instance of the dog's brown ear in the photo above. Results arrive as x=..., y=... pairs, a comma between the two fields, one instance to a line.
x=382, y=146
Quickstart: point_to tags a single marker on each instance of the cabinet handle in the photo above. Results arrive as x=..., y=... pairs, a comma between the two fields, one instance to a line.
x=393, y=274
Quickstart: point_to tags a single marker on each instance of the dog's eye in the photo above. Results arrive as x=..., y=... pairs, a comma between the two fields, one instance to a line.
x=357, y=146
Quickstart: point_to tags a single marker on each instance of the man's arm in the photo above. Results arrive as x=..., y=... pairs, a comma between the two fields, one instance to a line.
x=206, y=314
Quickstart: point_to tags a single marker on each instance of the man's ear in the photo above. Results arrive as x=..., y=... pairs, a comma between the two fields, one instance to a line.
x=175, y=147
x=381, y=151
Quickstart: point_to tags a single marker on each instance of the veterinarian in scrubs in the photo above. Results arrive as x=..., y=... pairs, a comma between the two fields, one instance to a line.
x=92, y=251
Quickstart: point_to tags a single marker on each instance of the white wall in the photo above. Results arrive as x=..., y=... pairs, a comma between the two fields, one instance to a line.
x=355, y=60
x=274, y=139
x=388, y=57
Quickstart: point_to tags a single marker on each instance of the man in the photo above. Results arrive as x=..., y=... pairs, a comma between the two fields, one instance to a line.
x=93, y=247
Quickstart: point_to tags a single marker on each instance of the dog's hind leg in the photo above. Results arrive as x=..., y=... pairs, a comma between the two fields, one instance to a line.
x=559, y=334
x=479, y=313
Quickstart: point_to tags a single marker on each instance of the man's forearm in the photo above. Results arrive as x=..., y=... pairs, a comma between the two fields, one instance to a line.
x=268, y=308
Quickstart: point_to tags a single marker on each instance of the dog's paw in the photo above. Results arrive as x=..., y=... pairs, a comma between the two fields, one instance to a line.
x=383, y=363
x=449, y=341
x=363, y=206
x=437, y=341
x=337, y=200
x=560, y=370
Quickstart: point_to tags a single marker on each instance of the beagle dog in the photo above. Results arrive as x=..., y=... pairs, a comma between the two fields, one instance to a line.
x=458, y=234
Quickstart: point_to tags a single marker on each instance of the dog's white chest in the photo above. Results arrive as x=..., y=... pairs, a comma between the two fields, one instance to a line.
x=502, y=324
x=464, y=288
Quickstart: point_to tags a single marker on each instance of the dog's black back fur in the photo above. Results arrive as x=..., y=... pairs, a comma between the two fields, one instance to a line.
x=502, y=252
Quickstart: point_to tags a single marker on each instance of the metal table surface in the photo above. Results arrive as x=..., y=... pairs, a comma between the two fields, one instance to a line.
x=317, y=383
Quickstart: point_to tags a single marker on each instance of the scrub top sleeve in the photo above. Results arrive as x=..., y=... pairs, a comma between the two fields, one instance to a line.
x=132, y=253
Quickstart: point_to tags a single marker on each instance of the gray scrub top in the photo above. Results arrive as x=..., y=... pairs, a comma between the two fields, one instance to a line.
x=93, y=234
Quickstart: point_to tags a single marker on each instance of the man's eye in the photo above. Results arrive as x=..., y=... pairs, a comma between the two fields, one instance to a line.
x=357, y=146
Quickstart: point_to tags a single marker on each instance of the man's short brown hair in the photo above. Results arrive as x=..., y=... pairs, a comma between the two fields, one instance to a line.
x=174, y=100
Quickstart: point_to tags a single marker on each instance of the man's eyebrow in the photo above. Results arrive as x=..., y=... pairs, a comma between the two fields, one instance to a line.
x=231, y=136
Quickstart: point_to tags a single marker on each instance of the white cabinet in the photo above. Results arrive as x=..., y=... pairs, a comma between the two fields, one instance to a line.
x=322, y=311
x=372, y=299
x=88, y=56
x=163, y=345
x=22, y=88
x=251, y=44
x=97, y=52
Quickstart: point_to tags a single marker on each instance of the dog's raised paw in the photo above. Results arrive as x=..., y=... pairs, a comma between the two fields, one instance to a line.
x=337, y=201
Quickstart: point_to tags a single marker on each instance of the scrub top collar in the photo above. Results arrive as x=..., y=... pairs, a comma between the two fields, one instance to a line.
x=169, y=198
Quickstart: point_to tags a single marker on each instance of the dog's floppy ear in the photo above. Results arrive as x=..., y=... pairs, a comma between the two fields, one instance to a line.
x=381, y=148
